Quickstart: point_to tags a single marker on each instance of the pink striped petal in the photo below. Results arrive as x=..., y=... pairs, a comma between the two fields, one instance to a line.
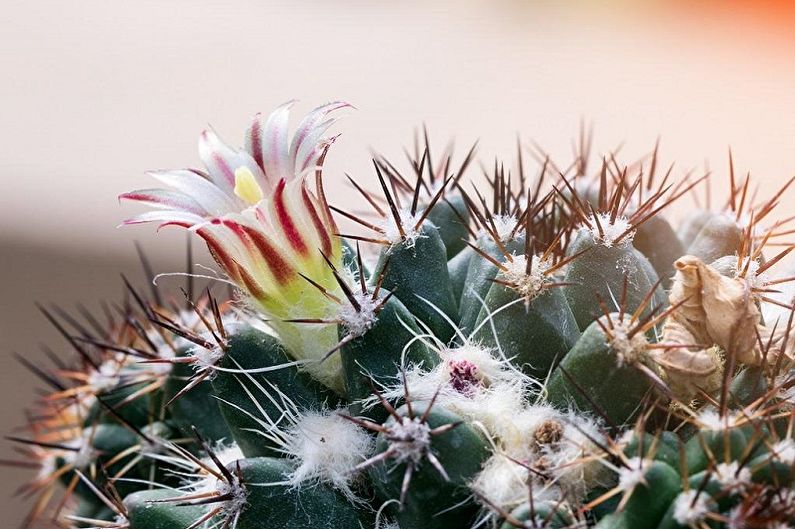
x=275, y=152
x=165, y=199
x=167, y=216
x=203, y=191
x=222, y=161
x=312, y=127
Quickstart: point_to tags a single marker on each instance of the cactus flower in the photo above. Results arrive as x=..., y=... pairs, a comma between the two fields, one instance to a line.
x=265, y=225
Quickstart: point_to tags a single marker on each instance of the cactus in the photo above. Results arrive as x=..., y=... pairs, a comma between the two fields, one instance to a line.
x=555, y=353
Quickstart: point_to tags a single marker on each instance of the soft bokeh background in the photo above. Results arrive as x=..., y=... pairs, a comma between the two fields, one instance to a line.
x=94, y=92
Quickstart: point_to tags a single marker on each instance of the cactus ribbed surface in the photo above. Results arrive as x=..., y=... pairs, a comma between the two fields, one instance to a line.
x=546, y=352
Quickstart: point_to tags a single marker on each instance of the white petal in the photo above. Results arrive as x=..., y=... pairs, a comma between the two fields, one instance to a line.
x=222, y=160
x=206, y=193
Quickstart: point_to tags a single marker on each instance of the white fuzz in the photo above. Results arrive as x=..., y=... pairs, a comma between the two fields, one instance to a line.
x=206, y=482
x=106, y=377
x=471, y=382
x=575, y=462
x=327, y=449
x=610, y=230
x=202, y=358
x=407, y=221
x=784, y=451
x=528, y=285
x=506, y=226
x=731, y=476
x=712, y=420
x=85, y=453
x=690, y=509
x=629, y=350
x=409, y=439
x=505, y=483
x=633, y=474
x=358, y=322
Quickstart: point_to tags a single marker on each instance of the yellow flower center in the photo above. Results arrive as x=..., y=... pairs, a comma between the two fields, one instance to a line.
x=246, y=186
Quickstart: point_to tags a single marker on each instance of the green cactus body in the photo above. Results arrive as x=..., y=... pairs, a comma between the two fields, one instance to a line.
x=535, y=335
x=102, y=443
x=377, y=355
x=145, y=512
x=602, y=272
x=719, y=237
x=648, y=501
x=419, y=270
x=451, y=216
x=665, y=446
x=457, y=267
x=196, y=408
x=433, y=502
x=244, y=400
x=658, y=242
x=273, y=505
x=692, y=224
x=593, y=378
x=137, y=412
x=714, y=445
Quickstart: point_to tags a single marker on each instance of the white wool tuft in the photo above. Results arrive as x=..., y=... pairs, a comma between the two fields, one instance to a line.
x=106, y=377
x=610, y=230
x=409, y=439
x=633, y=474
x=407, y=221
x=629, y=350
x=731, y=476
x=784, y=451
x=505, y=227
x=85, y=453
x=528, y=285
x=358, y=322
x=690, y=507
x=712, y=420
x=327, y=448
x=505, y=483
x=202, y=358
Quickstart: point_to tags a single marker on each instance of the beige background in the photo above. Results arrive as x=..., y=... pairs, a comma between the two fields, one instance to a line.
x=94, y=92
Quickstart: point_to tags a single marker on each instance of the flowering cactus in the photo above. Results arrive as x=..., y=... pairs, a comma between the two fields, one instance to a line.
x=552, y=354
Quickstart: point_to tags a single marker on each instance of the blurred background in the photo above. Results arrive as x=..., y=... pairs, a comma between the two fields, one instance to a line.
x=95, y=92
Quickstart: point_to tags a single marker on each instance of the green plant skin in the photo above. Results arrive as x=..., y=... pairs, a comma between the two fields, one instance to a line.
x=692, y=224
x=431, y=501
x=658, y=242
x=719, y=237
x=534, y=336
x=748, y=385
x=665, y=444
x=107, y=440
x=377, y=355
x=273, y=506
x=421, y=272
x=447, y=215
x=143, y=514
x=543, y=515
x=648, y=502
x=479, y=276
x=616, y=390
x=457, y=267
x=722, y=445
x=138, y=412
x=196, y=408
x=601, y=271
x=253, y=349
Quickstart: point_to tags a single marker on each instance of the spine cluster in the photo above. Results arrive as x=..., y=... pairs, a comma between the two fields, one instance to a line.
x=515, y=350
